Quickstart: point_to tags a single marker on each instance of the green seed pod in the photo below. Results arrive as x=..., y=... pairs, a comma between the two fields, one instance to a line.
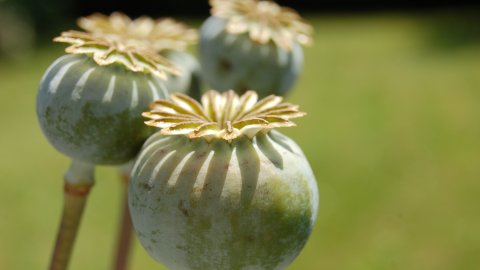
x=249, y=44
x=167, y=36
x=93, y=113
x=231, y=194
x=189, y=80
x=90, y=101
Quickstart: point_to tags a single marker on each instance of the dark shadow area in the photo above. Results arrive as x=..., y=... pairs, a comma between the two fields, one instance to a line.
x=201, y=8
x=163, y=170
x=249, y=164
x=453, y=30
x=163, y=158
x=166, y=169
x=49, y=17
x=269, y=151
x=185, y=184
x=279, y=139
x=217, y=172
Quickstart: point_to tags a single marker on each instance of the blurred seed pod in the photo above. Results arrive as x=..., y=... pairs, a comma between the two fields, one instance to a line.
x=168, y=37
x=189, y=80
x=250, y=44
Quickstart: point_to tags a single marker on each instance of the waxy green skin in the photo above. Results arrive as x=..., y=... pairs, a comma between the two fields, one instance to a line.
x=236, y=62
x=92, y=113
x=189, y=80
x=250, y=204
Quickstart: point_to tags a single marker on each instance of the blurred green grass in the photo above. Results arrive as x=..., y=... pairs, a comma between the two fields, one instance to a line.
x=392, y=134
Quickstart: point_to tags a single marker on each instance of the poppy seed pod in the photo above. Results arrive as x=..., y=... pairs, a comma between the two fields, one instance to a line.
x=166, y=36
x=189, y=79
x=93, y=113
x=216, y=188
x=89, y=107
x=90, y=101
x=250, y=44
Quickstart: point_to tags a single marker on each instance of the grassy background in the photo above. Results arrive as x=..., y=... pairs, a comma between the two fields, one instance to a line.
x=393, y=136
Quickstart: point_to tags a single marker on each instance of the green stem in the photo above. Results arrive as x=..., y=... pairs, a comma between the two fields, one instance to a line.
x=124, y=242
x=78, y=182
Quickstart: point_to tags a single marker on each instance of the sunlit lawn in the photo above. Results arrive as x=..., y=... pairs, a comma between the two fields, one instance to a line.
x=392, y=132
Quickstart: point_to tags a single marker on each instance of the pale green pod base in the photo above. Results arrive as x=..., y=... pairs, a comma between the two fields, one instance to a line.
x=236, y=62
x=250, y=204
x=92, y=113
x=189, y=80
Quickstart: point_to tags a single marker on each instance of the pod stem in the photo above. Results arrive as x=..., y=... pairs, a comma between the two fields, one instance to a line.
x=78, y=182
x=125, y=232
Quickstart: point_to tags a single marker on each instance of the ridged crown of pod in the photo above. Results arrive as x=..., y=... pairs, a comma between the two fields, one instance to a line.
x=251, y=44
x=263, y=21
x=217, y=188
x=90, y=101
x=225, y=116
x=166, y=36
x=160, y=34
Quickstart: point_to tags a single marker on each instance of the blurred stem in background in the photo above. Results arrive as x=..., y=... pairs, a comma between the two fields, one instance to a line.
x=123, y=246
x=17, y=35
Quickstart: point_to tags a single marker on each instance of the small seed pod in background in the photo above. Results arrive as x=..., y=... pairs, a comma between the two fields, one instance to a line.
x=217, y=188
x=250, y=44
x=167, y=36
x=189, y=81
